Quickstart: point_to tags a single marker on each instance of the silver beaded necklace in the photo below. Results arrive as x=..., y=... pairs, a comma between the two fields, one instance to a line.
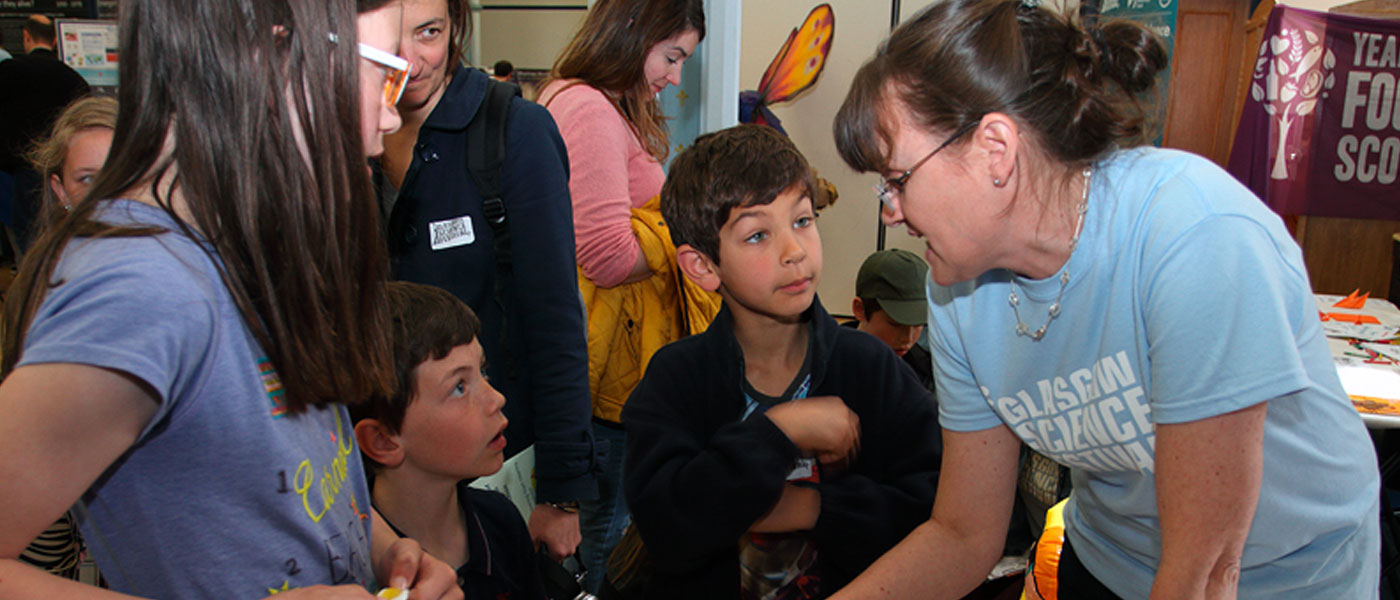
x=1021, y=327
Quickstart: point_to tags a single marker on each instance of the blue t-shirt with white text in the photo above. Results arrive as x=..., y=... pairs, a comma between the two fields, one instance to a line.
x=1187, y=299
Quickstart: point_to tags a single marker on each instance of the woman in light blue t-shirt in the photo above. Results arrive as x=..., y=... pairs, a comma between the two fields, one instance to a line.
x=1132, y=313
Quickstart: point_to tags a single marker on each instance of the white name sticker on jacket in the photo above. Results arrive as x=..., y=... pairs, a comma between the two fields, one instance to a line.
x=452, y=232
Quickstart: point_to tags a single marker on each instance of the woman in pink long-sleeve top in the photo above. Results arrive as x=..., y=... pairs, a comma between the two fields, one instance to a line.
x=603, y=98
x=610, y=173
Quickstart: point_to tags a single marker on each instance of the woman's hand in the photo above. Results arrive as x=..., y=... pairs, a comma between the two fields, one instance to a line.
x=641, y=270
x=557, y=530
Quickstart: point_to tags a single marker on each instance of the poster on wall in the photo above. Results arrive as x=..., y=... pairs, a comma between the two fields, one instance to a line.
x=1160, y=17
x=53, y=8
x=90, y=48
x=1320, y=130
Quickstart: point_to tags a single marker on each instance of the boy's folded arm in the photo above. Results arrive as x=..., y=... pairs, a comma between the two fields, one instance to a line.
x=861, y=518
x=692, y=498
x=797, y=510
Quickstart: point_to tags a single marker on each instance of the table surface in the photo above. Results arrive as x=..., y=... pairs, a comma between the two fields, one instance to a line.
x=1363, y=380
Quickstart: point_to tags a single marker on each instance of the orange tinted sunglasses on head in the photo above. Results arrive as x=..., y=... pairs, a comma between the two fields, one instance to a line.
x=396, y=71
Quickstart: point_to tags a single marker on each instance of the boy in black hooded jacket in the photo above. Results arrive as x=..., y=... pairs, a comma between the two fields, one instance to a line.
x=776, y=455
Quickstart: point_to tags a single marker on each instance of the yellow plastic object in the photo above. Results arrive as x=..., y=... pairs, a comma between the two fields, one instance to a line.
x=392, y=593
x=1042, y=579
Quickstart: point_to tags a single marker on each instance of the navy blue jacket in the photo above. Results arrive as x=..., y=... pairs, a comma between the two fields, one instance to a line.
x=698, y=474
x=533, y=335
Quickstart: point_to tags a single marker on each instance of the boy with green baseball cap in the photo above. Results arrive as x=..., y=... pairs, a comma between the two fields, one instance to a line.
x=890, y=304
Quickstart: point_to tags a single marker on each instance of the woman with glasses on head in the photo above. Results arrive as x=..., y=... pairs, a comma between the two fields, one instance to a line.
x=517, y=275
x=1133, y=313
x=602, y=92
x=198, y=321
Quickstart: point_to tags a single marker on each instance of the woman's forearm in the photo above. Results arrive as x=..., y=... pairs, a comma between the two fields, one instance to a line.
x=1208, y=475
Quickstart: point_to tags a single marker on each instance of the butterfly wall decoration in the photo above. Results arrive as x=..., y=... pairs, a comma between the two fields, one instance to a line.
x=793, y=70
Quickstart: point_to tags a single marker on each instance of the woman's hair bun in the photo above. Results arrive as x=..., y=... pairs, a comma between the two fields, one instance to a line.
x=1133, y=54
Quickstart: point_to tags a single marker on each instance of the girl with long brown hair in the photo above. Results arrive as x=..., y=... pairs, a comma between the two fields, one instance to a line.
x=179, y=349
x=602, y=94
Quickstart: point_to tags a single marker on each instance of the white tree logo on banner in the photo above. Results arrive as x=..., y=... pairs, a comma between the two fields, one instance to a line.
x=1292, y=76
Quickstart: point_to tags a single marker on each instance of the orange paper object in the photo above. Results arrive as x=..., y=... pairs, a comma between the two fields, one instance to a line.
x=1353, y=300
x=1351, y=318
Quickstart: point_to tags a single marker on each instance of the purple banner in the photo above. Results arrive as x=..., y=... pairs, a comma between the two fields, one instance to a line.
x=1320, y=129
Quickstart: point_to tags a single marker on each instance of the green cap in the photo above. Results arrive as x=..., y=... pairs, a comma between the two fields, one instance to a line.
x=896, y=279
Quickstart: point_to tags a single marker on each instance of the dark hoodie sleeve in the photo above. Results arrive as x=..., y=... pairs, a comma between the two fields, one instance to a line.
x=889, y=490
x=536, y=190
x=692, y=497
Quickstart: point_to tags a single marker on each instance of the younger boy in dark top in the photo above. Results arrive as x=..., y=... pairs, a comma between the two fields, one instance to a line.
x=442, y=426
x=891, y=304
x=776, y=455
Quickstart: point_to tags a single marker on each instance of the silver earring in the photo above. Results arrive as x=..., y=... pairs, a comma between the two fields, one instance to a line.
x=996, y=182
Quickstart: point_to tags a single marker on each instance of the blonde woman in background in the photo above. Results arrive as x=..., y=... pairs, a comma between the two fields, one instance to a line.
x=69, y=158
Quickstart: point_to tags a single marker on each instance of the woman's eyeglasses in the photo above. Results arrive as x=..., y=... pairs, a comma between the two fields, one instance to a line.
x=396, y=71
x=887, y=188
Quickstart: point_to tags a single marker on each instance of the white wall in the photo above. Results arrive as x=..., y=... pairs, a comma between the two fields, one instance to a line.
x=529, y=39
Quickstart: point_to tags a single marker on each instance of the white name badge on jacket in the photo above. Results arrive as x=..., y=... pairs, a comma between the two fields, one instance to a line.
x=452, y=232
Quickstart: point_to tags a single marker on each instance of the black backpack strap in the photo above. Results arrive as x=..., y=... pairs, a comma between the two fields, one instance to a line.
x=486, y=143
